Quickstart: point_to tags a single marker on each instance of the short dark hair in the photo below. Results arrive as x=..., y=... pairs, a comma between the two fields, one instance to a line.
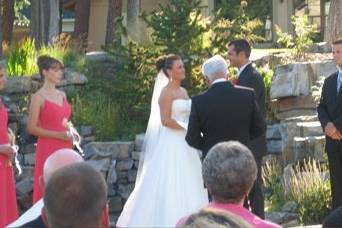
x=229, y=171
x=241, y=45
x=46, y=62
x=75, y=196
x=338, y=41
x=212, y=218
x=166, y=62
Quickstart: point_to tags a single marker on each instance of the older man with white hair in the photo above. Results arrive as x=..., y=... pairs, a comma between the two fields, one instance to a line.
x=224, y=112
x=60, y=158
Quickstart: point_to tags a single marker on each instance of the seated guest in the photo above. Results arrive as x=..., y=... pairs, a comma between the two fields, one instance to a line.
x=32, y=217
x=213, y=218
x=76, y=196
x=334, y=219
x=229, y=171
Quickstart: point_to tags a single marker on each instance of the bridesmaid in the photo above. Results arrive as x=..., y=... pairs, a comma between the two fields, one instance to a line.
x=48, y=116
x=8, y=201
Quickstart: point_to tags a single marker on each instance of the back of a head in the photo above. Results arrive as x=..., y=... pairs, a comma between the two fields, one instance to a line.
x=229, y=171
x=213, y=218
x=215, y=67
x=334, y=219
x=58, y=159
x=75, y=196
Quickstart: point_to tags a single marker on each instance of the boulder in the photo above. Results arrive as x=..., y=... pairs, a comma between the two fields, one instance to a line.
x=291, y=80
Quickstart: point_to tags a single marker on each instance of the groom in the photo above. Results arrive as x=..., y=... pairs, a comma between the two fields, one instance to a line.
x=224, y=112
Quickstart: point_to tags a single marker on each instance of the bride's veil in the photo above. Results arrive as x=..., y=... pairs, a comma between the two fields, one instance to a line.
x=154, y=124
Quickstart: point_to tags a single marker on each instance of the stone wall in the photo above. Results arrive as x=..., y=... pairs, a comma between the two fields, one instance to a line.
x=118, y=162
x=298, y=134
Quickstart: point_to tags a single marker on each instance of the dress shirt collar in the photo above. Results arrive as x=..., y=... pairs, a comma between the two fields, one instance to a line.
x=242, y=68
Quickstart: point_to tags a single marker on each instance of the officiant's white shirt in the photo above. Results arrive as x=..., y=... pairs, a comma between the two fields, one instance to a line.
x=219, y=80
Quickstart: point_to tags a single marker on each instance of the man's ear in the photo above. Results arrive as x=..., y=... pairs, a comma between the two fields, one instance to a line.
x=105, y=217
x=41, y=184
x=44, y=217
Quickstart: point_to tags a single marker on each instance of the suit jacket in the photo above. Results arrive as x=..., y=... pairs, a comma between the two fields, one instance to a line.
x=330, y=105
x=251, y=78
x=223, y=113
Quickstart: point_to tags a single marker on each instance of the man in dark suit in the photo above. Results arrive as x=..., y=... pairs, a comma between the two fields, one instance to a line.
x=223, y=112
x=238, y=55
x=330, y=115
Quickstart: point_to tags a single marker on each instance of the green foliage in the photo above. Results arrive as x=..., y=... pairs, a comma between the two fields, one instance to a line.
x=98, y=111
x=255, y=11
x=305, y=185
x=274, y=192
x=21, y=59
x=224, y=30
x=259, y=9
x=133, y=80
x=267, y=74
x=178, y=28
x=284, y=40
x=303, y=39
x=311, y=192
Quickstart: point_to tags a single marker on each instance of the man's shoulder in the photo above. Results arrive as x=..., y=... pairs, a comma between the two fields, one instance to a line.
x=245, y=91
x=199, y=97
x=332, y=76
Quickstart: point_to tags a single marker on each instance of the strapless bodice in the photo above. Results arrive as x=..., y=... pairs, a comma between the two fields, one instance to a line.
x=181, y=110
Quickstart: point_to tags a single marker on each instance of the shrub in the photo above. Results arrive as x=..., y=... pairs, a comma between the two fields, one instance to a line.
x=103, y=114
x=225, y=29
x=177, y=27
x=311, y=191
x=303, y=38
x=21, y=59
x=274, y=192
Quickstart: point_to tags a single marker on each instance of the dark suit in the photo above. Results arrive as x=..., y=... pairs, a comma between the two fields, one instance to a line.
x=37, y=223
x=224, y=113
x=330, y=110
x=251, y=78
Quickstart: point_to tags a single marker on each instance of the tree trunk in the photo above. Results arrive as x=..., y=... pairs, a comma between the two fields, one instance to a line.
x=82, y=13
x=322, y=15
x=0, y=29
x=54, y=20
x=334, y=29
x=133, y=10
x=39, y=21
x=44, y=20
x=114, y=11
x=8, y=20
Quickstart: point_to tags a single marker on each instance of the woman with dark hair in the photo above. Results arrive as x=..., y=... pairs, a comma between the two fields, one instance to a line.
x=8, y=201
x=169, y=183
x=48, y=116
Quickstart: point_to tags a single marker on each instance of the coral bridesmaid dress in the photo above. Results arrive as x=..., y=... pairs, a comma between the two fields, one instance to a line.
x=53, y=117
x=8, y=201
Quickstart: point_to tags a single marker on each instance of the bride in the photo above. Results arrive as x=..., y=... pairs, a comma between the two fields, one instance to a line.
x=169, y=184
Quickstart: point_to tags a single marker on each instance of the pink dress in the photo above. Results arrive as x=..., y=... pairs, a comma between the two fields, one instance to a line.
x=8, y=201
x=53, y=117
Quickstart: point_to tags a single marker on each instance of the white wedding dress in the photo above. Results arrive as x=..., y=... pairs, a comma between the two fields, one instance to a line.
x=170, y=185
